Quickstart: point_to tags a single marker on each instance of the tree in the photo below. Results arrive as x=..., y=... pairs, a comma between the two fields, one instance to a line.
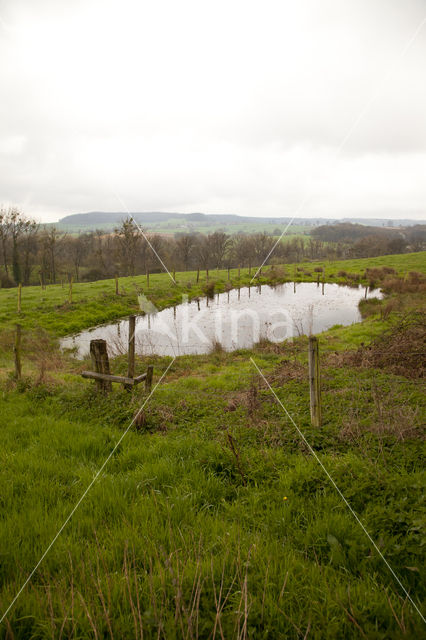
x=128, y=237
x=53, y=240
x=217, y=245
x=184, y=249
x=13, y=226
x=29, y=247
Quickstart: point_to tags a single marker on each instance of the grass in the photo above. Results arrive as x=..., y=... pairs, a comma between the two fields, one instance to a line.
x=212, y=520
x=95, y=302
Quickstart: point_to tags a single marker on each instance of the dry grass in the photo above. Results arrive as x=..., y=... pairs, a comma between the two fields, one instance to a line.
x=390, y=416
x=400, y=350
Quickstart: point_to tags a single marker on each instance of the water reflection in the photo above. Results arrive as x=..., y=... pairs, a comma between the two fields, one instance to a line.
x=237, y=319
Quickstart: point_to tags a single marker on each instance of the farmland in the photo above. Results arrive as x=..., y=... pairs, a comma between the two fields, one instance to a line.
x=213, y=519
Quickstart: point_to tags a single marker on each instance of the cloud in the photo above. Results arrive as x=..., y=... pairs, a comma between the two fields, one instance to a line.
x=227, y=106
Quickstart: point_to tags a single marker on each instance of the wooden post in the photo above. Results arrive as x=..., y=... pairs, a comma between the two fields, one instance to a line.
x=17, y=350
x=198, y=274
x=294, y=287
x=323, y=284
x=100, y=362
x=207, y=274
x=116, y=286
x=366, y=291
x=19, y=297
x=147, y=278
x=148, y=379
x=314, y=382
x=70, y=291
x=174, y=275
x=131, y=353
x=249, y=268
x=318, y=277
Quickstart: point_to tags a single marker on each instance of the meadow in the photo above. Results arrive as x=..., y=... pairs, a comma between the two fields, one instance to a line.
x=96, y=302
x=212, y=519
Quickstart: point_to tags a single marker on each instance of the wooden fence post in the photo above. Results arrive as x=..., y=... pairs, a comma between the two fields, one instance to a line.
x=131, y=353
x=148, y=379
x=116, y=286
x=207, y=274
x=100, y=362
x=17, y=350
x=19, y=297
x=198, y=274
x=70, y=291
x=314, y=382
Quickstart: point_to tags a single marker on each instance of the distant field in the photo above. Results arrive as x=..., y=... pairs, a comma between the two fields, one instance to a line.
x=170, y=227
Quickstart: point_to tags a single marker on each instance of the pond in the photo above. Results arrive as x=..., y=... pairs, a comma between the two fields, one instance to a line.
x=235, y=319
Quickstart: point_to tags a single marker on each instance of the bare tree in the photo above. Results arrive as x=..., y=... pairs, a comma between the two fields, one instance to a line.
x=129, y=239
x=184, y=249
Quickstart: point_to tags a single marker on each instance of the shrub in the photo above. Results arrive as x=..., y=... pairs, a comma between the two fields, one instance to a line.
x=209, y=288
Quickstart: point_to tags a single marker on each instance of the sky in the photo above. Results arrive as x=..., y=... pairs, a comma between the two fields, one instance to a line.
x=268, y=108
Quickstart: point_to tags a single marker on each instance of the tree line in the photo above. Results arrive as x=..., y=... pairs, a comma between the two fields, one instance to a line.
x=31, y=253
x=365, y=241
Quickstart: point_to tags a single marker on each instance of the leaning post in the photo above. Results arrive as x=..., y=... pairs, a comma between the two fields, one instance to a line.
x=100, y=362
x=314, y=382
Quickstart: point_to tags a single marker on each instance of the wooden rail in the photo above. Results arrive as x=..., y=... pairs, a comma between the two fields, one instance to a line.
x=102, y=374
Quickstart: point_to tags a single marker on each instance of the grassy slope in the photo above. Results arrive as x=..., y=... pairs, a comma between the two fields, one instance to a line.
x=177, y=517
x=96, y=302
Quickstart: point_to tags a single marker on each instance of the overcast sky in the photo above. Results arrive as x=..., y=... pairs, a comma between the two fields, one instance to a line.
x=221, y=106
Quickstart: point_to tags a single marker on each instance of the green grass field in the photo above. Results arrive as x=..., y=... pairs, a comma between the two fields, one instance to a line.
x=95, y=302
x=212, y=519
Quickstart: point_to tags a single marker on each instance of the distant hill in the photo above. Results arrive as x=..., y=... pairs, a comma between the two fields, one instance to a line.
x=107, y=217
x=173, y=221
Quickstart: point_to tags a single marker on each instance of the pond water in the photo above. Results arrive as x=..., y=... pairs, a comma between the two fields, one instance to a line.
x=236, y=319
